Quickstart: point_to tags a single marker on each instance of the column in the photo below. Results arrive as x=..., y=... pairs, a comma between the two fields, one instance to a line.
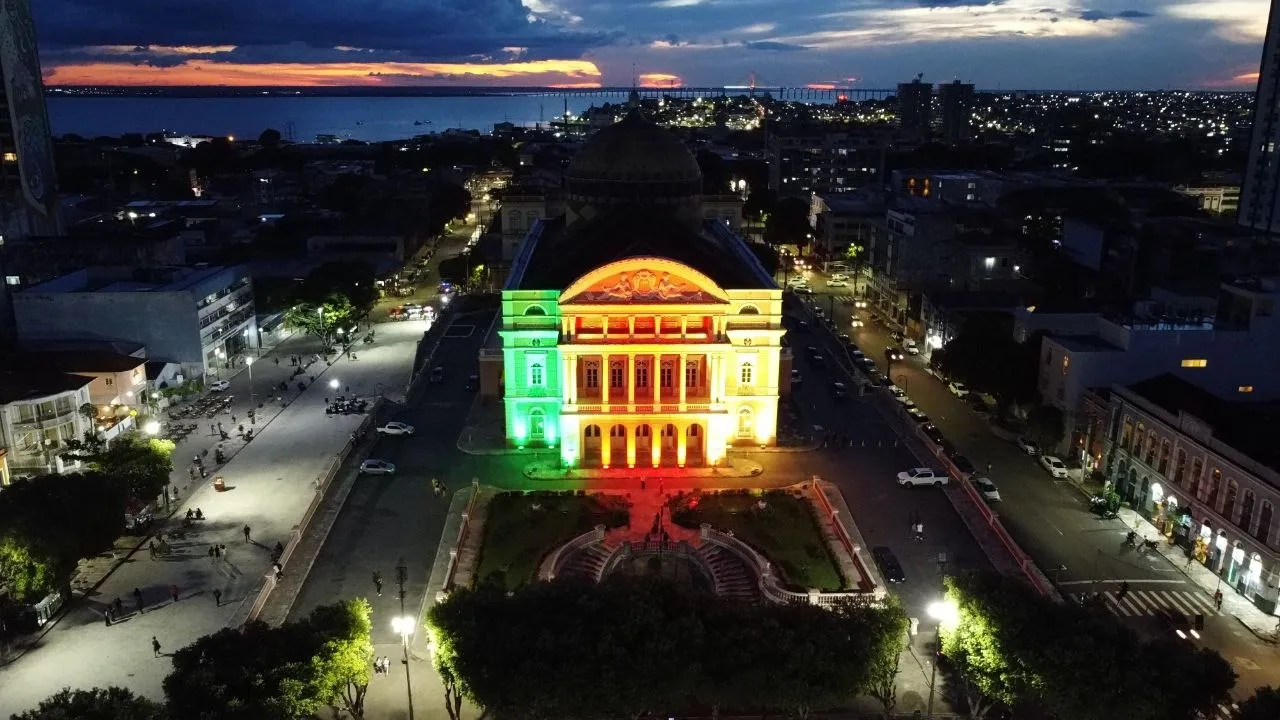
x=682, y=379
x=713, y=384
x=684, y=326
x=726, y=367
x=573, y=377
x=631, y=446
x=631, y=325
x=631, y=377
x=682, y=442
x=604, y=326
x=655, y=443
x=565, y=390
x=604, y=378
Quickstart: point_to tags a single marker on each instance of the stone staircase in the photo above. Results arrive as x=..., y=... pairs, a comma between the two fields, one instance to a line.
x=732, y=577
x=588, y=562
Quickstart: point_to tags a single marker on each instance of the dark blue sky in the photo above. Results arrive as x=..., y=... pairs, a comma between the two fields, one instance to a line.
x=993, y=43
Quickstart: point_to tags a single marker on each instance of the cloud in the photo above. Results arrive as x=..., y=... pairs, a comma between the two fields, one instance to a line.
x=773, y=45
x=659, y=80
x=1099, y=15
x=1237, y=21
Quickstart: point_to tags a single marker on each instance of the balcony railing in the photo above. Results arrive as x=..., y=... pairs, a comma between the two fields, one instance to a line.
x=623, y=408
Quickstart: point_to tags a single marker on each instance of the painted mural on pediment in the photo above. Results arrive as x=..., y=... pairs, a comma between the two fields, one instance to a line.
x=644, y=286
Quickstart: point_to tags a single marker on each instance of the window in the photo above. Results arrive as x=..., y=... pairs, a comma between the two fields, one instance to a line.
x=746, y=423
x=1246, y=511
x=1164, y=458
x=1151, y=449
x=1215, y=482
x=592, y=431
x=1137, y=441
x=536, y=378
x=109, y=381
x=747, y=374
x=1245, y=389
x=1228, y=507
x=1194, y=362
x=591, y=376
x=534, y=310
x=642, y=376
x=616, y=375
x=1264, y=523
x=1195, y=475
x=1127, y=435
x=1066, y=363
x=989, y=263
x=691, y=374
x=667, y=377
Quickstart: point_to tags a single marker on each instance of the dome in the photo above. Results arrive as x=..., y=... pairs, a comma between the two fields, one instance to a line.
x=634, y=150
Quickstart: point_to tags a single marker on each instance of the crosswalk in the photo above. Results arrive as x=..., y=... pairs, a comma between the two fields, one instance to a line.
x=1149, y=602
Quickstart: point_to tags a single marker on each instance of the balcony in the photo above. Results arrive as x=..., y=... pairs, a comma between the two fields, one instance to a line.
x=595, y=407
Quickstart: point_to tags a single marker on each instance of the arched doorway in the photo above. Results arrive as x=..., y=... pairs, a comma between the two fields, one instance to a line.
x=537, y=425
x=746, y=424
x=591, y=446
x=667, y=439
x=695, y=446
x=644, y=446
x=618, y=446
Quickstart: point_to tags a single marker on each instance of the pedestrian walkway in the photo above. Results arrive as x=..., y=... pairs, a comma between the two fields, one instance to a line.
x=1137, y=603
x=269, y=485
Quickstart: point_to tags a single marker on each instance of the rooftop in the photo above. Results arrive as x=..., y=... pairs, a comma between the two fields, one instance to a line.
x=1084, y=343
x=19, y=385
x=110, y=280
x=79, y=361
x=1246, y=427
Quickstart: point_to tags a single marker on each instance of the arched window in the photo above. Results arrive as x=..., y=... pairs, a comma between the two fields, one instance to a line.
x=1215, y=483
x=1264, y=523
x=531, y=217
x=691, y=373
x=1164, y=457
x=1180, y=467
x=668, y=374
x=618, y=431
x=1127, y=435
x=617, y=374
x=514, y=220
x=592, y=431
x=537, y=424
x=643, y=431
x=749, y=310
x=1138, y=437
x=747, y=374
x=1197, y=470
x=537, y=373
x=746, y=423
x=694, y=430
x=1229, y=505
x=1246, y=512
x=591, y=374
x=1151, y=449
x=534, y=311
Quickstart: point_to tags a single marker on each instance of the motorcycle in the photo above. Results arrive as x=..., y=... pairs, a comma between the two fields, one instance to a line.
x=1131, y=538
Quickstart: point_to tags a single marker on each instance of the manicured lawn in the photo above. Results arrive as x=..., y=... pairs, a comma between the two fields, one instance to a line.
x=521, y=529
x=784, y=530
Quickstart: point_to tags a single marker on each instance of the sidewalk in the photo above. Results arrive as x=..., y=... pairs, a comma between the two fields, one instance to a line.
x=270, y=482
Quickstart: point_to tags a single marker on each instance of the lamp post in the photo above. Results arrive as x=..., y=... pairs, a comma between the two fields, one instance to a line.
x=942, y=611
x=248, y=363
x=333, y=384
x=403, y=625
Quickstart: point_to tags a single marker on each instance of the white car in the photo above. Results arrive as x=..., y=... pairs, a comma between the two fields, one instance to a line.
x=833, y=283
x=1027, y=446
x=377, y=467
x=856, y=322
x=219, y=386
x=922, y=476
x=986, y=489
x=839, y=276
x=958, y=389
x=1056, y=467
x=910, y=347
x=396, y=428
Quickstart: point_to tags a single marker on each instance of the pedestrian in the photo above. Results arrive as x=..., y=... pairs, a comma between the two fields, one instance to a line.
x=233, y=418
x=217, y=597
x=1217, y=599
x=137, y=598
x=641, y=484
x=212, y=429
x=1124, y=590
x=117, y=607
x=106, y=615
x=246, y=533
x=348, y=389
x=199, y=514
x=326, y=399
x=217, y=551
x=212, y=552
x=155, y=646
x=223, y=548
x=173, y=592
x=377, y=582
x=191, y=471
x=279, y=570
x=277, y=362
x=152, y=549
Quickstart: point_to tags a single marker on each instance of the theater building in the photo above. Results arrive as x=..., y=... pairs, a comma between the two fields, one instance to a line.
x=634, y=332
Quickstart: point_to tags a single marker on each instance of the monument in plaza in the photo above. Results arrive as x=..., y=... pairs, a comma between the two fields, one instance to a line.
x=635, y=331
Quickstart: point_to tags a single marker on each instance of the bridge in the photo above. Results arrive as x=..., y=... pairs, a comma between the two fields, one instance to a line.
x=800, y=94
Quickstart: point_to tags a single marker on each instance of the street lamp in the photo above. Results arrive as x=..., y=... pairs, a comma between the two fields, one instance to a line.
x=403, y=626
x=151, y=427
x=942, y=612
x=334, y=383
x=248, y=362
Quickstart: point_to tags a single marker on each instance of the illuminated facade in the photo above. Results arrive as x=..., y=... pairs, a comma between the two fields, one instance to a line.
x=636, y=334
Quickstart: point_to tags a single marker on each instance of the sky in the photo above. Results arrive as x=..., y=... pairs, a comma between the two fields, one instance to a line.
x=995, y=44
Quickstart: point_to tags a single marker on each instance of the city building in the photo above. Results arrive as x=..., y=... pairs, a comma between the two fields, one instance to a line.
x=39, y=413
x=1228, y=349
x=635, y=332
x=1219, y=199
x=1205, y=470
x=1260, y=196
x=805, y=159
x=198, y=317
x=844, y=220
x=915, y=107
x=955, y=111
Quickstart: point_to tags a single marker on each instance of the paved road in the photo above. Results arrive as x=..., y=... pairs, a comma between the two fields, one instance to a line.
x=1051, y=520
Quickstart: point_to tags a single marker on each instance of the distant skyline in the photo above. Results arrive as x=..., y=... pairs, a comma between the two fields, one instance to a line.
x=1033, y=44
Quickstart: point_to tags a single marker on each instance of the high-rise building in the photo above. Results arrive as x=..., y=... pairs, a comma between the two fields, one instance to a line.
x=1260, y=196
x=810, y=159
x=915, y=106
x=955, y=101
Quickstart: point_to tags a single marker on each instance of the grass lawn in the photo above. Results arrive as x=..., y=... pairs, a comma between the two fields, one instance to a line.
x=522, y=528
x=784, y=531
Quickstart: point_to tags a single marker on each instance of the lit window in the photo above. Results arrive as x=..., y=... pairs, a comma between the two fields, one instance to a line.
x=1195, y=363
x=1066, y=363
x=748, y=372
x=592, y=377
x=1245, y=389
x=616, y=375
x=11, y=157
x=989, y=263
x=536, y=374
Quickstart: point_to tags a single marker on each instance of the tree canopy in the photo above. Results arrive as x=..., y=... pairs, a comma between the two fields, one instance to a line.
x=985, y=356
x=50, y=522
x=631, y=646
x=1009, y=645
x=140, y=464
x=265, y=673
x=110, y=703
x=324, y=319
x=787, y=223
x=353, y=280
x=1264, y=704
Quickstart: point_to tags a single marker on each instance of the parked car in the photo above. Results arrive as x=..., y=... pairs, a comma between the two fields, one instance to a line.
x=932, y=432
x=839, y=391
x=377, y=467
x=986, y=489
x=1027, y=446
x=918, y=415
x=796, y=378
x=958, y=389
x=922, y=476
x=219, y=386
x=889, y=566
x=844, y=338
x=1054, y=466
x=473, y=383
x=833, y=283
x=910, y=347
x=897, y=392
x=396, y=428
x=963, y=464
